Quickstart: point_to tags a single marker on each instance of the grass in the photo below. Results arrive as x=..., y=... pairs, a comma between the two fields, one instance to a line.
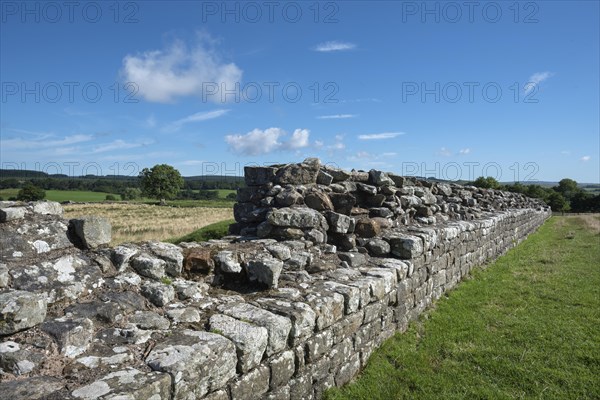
x=526, y=327
x=64, y=195
x=212, y=231
x=133, y=222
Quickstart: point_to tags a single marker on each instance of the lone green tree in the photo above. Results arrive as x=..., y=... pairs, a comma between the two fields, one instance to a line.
x=161, y=182
x=30, y=192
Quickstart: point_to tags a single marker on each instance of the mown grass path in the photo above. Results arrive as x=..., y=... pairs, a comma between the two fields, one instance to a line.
x=527, y=327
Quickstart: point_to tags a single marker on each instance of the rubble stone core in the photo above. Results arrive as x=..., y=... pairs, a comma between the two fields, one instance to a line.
x=322, y=266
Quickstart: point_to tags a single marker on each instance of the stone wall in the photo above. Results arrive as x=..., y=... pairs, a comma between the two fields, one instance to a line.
x=325, y=265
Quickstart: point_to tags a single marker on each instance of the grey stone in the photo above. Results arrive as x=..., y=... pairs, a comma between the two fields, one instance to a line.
x=158, y=293
x=187, y=314
x=149, y=320
x=343, y=202
x=130, y=384
x=403, y=245
x=259, y=175
x=227, y=262
x=372, y=190
x=17, y=360
x=47, y=208
x=198, y=362
x=353, y=259
x=301, y=217
x=250, y=340
x=319, y=201
x=4, y=276
x=297, y=174
x=93, y=231
x=170, y=254
x=328, y=306
x=282, y=369
x=380, y=178
x=67, y=277
x=288, y=197
x=150, y=267
x=278, y=327
x=72, y=335
x=279, y=251
x=21, y=310
x=12, y=213
x=324, y=178
x=302, y=317
x=252, y=385
x=121, y=255
x=378, y=247
x=338, y=223
x=34, y=388
x=339, y=175
x=265, y=270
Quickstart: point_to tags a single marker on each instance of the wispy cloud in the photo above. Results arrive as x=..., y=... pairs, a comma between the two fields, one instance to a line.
x=181, y=70
x=197, y=117
x=334, y=45
x=337, y=116
x=258, y=141
x=536, y=79
x=586, y=158
x=444, y=152
x=464, y=151
x=338, y=144
x=120, y=145
x=43, y=141
x=380, y=136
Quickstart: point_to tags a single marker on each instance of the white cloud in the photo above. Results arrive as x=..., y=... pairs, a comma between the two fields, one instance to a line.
x=266, y=141
x=338, y=144
x=192, y=162
x=197, y=117
x=566, y=152
x=150, y=122
x=586, y=158
x=179, y=70
x=334, y=45
x=465, y=151
x=44, y=141
x=299, y=139
x=337, y=116
x=380, y=136
x=444, y=152
x=536, y=79
x=119, y=145
x=389, y=154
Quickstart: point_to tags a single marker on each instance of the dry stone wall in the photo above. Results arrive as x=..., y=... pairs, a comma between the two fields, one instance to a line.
x=324, y=265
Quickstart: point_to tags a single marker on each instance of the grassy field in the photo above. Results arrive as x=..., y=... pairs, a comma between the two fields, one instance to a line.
x=527, y=327
x=63, y=195
x=139, y=222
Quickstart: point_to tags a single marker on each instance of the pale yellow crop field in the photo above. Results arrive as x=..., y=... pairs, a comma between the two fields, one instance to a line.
x=142, y=222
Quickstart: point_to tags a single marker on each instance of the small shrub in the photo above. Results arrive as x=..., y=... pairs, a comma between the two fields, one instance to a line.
x=30, y=192
x=110, y=197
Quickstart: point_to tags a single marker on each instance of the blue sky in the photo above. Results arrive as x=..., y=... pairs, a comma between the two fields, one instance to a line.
x=448, y=89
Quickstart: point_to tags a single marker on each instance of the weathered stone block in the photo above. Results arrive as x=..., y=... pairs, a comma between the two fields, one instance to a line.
x=198, y=362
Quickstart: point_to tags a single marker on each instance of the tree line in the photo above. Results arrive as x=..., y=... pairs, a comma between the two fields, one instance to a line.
x=567, y=196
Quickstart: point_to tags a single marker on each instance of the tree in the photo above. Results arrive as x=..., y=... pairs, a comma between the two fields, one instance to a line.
x=161, y=181
x=568, y=188
x=557, y=202
x=486, y=183
x=30, y=192
x=131, y=193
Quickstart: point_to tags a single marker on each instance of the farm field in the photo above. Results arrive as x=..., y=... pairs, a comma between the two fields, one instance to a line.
x=139, y=222
x=525, y=327
x=63, y=195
